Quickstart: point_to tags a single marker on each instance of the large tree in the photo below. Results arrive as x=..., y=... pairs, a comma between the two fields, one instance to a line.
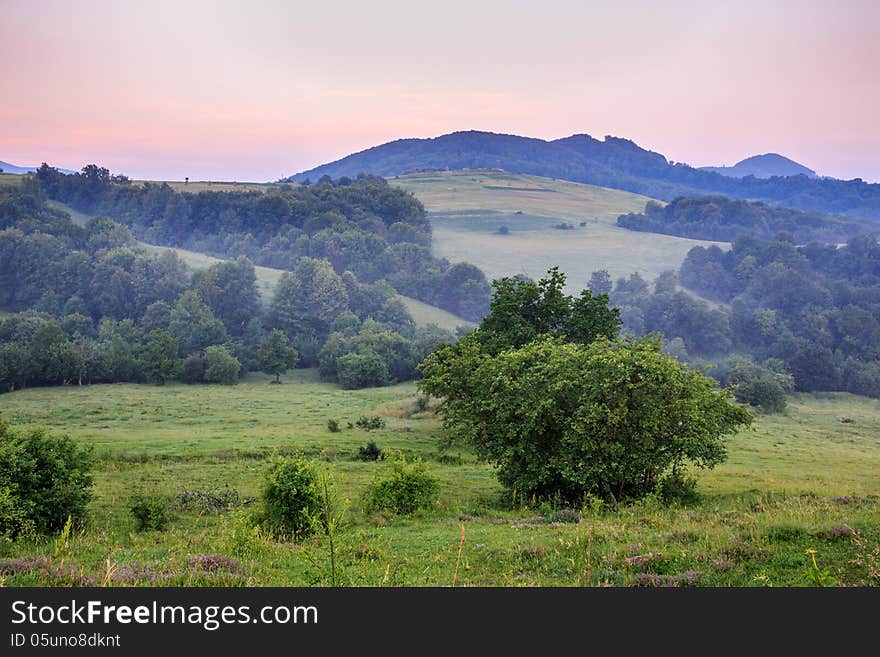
x=159, y=359
x=521, y=310
x=275, y=354
x=563, y=420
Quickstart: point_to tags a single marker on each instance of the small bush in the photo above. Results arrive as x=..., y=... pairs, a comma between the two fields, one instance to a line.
x=44, y=479
x=569, y=516
x=370, y=453
x=405, y=489
x=290, y=497
x=678, y=487
x=193, y=369
x=150, y=510
x=332, y=426
x=370, y=423
x=206, y=502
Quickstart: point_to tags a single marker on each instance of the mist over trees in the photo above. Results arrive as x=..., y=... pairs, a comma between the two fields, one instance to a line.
x=361, y=225
x=801, y=318
x=90, y=305
x=722, y=219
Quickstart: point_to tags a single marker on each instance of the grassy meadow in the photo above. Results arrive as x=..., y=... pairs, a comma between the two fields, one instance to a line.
x=467, y=208
x=794, y=483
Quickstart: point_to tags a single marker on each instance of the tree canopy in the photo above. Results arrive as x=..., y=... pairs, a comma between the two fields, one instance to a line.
x=563, y=408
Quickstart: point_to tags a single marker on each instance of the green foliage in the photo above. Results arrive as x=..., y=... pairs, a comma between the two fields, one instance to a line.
x=678, y=487
x=229, y=290
x=371, y=452
x=565, y=420
x=407, y=488
x=208, y=501
x=761, y=391
x=44, y=480
x=194, y=325
x=370, y=422
x=193, y=369
x=361, y=370
x=291, y=499
x=152, y=511
x=723, y=219
x=521, y=310
x=332, y=426
x=159, y=359
x=275, y=354
x=221, y=366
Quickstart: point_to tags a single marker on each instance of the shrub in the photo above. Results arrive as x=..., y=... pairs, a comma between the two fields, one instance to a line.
x=405, y=489
x=44, y=479
x=762, y=392
x=221, y=366
x=150, y=510
x=193, y=369
x=678, y=487
x=370, y=453
x=370, y=423
x=332, y=426
x=290, y=497
x=758, y=386
x=204, y=501
x=361, y=370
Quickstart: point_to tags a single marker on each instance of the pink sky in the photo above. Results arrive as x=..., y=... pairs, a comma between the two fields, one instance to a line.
x=261, y=90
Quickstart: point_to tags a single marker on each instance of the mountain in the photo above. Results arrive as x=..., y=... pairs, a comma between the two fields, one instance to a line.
x=764, y=166
x=11, y=168
x=613, y=162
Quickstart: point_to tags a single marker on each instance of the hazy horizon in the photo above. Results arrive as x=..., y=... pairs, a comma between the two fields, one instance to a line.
x=219, y=91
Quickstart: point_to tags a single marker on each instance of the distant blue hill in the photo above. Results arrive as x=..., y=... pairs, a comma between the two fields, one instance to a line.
x=11, y=168
x=764, y=166
x=612, y=162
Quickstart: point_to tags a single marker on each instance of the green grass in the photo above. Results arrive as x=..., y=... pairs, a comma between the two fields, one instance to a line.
x=424, y=314
x=798, y=482
x=466, y=209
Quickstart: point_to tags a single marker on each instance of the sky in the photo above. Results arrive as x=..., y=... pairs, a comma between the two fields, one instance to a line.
x=260, y=90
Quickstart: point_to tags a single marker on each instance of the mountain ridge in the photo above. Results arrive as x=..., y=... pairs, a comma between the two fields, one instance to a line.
x=19, y=170
x=766, y=165
x=613, y=162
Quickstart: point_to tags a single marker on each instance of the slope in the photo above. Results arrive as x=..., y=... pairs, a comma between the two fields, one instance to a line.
x=612, y=162
x=467, y=209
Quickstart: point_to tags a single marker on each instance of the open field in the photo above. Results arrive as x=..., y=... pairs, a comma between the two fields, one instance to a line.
x=797, y=482
x=196, y=186
x=10, y=180
x=468, y=207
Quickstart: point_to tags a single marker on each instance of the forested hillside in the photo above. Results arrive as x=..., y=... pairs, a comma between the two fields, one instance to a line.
x=361, y=225
x=89, y=304
x=723, y=219
x=811, y=313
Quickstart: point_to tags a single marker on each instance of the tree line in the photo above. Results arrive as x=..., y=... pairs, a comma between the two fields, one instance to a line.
x=723, y=219
x=362, y=225
x=90, y=305
x=786, y=317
